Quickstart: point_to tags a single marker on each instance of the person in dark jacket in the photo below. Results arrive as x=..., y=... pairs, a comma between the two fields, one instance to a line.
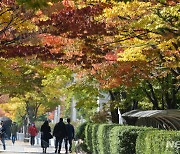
x=45, y=135
x=70, y=135
x=60, y=133
x=3, y=134
x=14, y=129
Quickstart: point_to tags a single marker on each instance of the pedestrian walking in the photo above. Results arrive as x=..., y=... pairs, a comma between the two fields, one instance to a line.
x=45, y=135
x=14, y=129
x=70, y=136
x=3, y=134
x=60, y=133
x=33, y=132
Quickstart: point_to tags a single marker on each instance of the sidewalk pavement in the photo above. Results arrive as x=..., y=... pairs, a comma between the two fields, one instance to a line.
x=24, y=148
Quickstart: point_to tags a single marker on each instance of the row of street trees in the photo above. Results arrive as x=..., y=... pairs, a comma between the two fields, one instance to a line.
x=129, y=49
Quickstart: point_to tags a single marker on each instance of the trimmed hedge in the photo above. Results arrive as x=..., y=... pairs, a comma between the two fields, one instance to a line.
x=123, y=139
x=103, y=138
x=88, y=137
x=94, y=138
x=158, y=141
x=80, y=131
x=80, y=134
x=116, y=139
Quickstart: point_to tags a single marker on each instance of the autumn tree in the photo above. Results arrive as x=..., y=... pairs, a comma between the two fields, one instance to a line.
x=23, y=79
x=119, y=43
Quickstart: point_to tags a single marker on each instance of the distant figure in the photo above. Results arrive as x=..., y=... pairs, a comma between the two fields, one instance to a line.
x=33, y=132
x=60, y=133
x=45, y=135
x=2, y=134
x=14, y=129
x=70, y=136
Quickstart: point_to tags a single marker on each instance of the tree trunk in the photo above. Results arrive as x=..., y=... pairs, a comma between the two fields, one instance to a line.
x=114, y=111
x=25, y=125
x=30, y=114
x=174, y=92
x=162, y=99
x=153, y=96
x=149, y=96
x=168, y=100
x=135, y=104
x=170, y=94
x=32, y=111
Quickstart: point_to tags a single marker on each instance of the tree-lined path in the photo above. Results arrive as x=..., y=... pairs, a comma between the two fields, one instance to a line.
x=22, y=147
x=68, y=55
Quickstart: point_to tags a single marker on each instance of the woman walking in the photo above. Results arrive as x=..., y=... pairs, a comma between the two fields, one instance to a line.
x=33, y=132
x=45, y=135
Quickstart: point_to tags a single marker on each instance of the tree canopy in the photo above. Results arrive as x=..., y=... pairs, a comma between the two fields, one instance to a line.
x=122, y=47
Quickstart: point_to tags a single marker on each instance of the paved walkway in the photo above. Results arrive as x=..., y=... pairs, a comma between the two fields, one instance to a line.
x=24, y=148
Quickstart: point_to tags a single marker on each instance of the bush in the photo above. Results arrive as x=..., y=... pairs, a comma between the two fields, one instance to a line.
x=158, y=141
x=94, y=138
x=116, y=139
x=123, y=139
x=88, y=137
x=103, y=138
x=80, y=131
x=80, y=134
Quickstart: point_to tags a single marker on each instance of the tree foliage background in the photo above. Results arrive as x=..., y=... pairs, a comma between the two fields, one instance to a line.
x=128, y=49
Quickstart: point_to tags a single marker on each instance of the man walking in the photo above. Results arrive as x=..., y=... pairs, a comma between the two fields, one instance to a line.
x=70, y=136
x=14, y=129
x=60, y=133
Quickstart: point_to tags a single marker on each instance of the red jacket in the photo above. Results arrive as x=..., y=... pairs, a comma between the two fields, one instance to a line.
x=32, y=130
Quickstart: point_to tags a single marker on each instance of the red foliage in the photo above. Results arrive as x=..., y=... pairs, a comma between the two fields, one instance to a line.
x=119, y=73
x=68, y=3
x=172, y=2
x=110, y=56
x=56, y=43
x=77, y=22
x=24, y=51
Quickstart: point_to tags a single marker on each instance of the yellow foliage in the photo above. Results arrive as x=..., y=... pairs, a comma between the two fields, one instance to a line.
x=170, y=58
x=132, y=54
x=5, y=17
x=167, y=45
x=133, y=50
x=49, y=3
x=10, y=109
x=20, y=25
x=26, y=26
x=130, y=9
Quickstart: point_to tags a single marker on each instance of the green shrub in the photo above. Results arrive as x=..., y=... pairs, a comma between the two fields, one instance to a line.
x=94, y=138
x=103, y=145
x=80, y=131
x=123, y=139
x=88, y=136
x=158, y=141
x=116, y=139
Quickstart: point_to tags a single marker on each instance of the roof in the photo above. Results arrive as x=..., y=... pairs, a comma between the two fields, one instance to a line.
x=163, y=119
x=152, y=113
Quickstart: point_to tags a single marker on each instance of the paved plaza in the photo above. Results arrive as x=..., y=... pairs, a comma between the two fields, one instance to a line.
x=23, y=148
